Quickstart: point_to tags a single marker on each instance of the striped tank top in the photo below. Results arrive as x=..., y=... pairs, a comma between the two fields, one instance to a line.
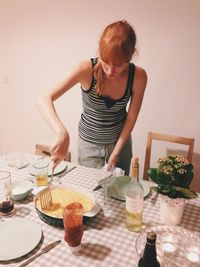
x=103, y=118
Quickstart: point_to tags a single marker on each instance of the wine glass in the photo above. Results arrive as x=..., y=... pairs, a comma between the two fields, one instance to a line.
x=15, y=160
x=109, y=179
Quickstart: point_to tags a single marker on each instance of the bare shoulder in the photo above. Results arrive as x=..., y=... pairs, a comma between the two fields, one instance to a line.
x=84, y=66
x=140, y=73
x=84, y=70
x=140, y=80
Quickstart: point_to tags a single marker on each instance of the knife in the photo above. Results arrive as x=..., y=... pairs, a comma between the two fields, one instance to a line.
x=43, y=251
x=97, y=187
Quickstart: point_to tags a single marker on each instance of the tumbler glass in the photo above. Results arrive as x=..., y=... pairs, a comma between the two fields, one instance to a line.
x=6, y=198
x=41, y=172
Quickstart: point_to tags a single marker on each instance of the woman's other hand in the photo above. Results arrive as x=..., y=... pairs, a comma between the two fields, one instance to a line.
x=112, y=161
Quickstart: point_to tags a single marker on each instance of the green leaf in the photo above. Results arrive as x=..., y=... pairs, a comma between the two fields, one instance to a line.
x=184, y=180
x=152, y=172
x=164, y=178
x=186, y=192
x=166, y=188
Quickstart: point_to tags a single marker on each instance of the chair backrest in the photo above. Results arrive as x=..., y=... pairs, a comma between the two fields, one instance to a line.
x=43, y=150
x=166, y=138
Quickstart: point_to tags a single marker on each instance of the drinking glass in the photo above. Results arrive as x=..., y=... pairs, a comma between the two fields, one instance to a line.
x=105, y=182
x=105, y=177
x=41, y=172
x=6, y=199
x=169, y=247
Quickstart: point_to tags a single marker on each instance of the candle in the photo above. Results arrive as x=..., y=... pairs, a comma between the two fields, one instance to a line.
x=169, y=247
x=192, y=251
x=169, y=242
x=193, y=256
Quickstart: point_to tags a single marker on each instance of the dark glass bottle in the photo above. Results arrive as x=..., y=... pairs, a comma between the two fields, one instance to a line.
x=149, y=258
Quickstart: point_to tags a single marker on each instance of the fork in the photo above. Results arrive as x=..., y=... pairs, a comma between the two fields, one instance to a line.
x=154, y=199
x=45, y=198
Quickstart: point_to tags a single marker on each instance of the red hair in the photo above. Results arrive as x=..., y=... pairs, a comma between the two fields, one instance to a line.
x=117, y=45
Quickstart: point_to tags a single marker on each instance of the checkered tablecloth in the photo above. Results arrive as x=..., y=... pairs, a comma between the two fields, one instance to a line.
x=106, y=241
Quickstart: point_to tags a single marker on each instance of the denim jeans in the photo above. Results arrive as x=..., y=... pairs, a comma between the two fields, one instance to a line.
x=95, y=155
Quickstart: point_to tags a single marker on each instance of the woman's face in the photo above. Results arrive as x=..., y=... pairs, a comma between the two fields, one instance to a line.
x=112, y=70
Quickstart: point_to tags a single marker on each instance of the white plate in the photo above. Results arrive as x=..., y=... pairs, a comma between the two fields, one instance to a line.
x=118, y=188
x=19, y=236
x=61, y=167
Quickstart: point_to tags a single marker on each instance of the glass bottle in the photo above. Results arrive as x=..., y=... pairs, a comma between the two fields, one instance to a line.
x=149, y=258
x=134, y=200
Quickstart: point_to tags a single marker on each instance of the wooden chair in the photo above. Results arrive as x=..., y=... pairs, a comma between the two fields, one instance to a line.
x=43, y=150
x=166, y=138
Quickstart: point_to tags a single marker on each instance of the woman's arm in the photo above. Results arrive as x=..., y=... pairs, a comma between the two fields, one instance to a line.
x=80, y=74
x=139, y=86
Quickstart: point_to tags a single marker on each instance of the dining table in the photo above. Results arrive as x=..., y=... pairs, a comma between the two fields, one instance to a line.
x=106, y=241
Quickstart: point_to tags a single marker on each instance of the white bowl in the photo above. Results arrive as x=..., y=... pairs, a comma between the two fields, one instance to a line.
x=21, y=188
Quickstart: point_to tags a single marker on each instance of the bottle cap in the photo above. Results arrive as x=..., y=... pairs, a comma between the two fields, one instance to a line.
x=135, y=160
x=151, y=235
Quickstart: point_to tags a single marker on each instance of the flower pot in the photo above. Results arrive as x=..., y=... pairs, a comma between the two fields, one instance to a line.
x=171, y=210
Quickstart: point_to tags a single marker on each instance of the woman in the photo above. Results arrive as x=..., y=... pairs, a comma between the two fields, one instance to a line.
x=108, y=84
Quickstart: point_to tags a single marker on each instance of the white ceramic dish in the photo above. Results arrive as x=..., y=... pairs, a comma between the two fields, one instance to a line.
x=19, y=236
x=52, y=220
x=118, y=188
x=21, y=188
x=60, y=168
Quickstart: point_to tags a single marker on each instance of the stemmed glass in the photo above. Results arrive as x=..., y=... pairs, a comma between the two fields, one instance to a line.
x=109, y=179
x=15, y=160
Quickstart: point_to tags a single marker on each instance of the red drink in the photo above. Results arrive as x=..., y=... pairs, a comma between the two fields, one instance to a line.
x=73, y=224
x=6, y=206
x=6, y=199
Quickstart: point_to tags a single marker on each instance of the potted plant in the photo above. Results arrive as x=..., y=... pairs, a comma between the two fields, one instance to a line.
x=173, y=177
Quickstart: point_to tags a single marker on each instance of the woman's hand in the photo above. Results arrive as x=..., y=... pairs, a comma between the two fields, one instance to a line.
x=59, y=149
x=112, y=161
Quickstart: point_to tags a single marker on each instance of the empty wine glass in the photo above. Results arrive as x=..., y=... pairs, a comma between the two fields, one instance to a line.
x=109, y=179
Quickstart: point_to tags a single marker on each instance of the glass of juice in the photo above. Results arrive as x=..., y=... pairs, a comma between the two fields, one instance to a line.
x=41, y=172
x=6, y=199
x=73, y=225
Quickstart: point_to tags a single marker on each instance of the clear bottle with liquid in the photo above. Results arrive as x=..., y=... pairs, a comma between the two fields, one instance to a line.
x=149, y=258
x=134, y=200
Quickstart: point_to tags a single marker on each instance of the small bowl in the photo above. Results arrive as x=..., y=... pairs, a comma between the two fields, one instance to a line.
x=21, y=188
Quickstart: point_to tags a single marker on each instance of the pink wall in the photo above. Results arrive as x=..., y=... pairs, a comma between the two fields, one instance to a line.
x=42, y=40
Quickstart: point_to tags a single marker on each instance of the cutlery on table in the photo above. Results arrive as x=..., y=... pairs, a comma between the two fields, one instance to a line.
x=43, y=251
x=97, y=187
x=154, y=199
